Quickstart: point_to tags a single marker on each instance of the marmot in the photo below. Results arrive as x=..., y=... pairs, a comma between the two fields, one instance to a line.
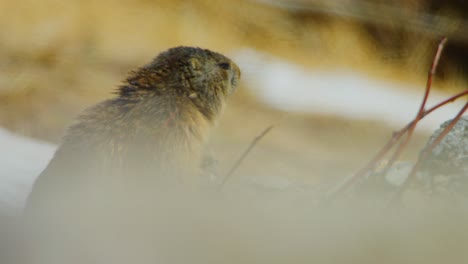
x=153, y=133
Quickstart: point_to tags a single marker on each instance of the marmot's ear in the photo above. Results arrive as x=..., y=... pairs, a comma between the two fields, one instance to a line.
x=195, y=63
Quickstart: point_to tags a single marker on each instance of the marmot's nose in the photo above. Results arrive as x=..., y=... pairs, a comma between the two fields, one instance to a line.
x=236, y=74
x=235, y=68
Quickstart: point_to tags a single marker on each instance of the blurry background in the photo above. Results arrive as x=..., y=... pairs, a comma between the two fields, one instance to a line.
x=336, y=78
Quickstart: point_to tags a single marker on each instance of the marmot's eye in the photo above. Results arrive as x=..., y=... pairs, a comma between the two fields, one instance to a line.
x=224, y=65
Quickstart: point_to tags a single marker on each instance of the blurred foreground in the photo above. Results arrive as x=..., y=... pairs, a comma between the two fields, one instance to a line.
x=271, y=228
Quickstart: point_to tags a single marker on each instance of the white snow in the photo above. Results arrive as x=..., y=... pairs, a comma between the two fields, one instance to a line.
x=21, y=161
x=344, y=92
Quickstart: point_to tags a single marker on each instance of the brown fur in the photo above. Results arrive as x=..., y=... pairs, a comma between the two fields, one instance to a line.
x=153, y=133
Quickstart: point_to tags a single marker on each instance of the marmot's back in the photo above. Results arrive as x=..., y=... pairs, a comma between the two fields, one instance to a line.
x=151, y=135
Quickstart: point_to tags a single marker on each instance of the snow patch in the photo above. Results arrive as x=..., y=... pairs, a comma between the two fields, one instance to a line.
x=342, y=92
x=22, y=159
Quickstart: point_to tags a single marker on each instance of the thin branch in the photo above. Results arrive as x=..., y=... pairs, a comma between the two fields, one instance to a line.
x=446, y=101
x=369, y=166
x=396, y=136
x=435, y=107
x=420, y=114
x=425, y=153
x=246, y=152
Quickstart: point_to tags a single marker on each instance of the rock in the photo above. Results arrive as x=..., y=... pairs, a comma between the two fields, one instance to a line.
x=446, y=167
x=451, y=155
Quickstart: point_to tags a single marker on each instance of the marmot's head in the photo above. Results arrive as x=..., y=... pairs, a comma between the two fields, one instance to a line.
x=203, y=76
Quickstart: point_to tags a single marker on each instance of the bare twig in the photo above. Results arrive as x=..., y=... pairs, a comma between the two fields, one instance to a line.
x=408, y=128
x=396, y=136
x=420, y=114
x=246, y=152
x=427, y=150
x=446, y=101
x=430, y=110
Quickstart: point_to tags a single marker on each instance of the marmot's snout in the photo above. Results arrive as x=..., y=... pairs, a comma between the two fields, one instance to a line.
x=236, y=75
